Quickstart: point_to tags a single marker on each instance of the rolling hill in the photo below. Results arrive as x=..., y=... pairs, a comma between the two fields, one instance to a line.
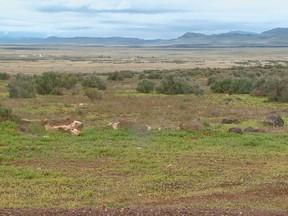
x=277, y=37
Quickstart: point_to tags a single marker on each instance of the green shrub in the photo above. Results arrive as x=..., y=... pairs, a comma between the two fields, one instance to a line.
x=115, y=76
x=274, y=88
x=142, y=76
x=197, y=89
x=49, y=83
x=128, y=73
x=4, y=76
x=172, y=84
x=277, y=90
x=259, y=87
x=155, y=75
x=57, y=91
x=211, y=80
x=21, y=86
x=7, y=115
x=145, y=86
x=68, y=81
x=93, y=81
x=241, y=86
x=93, y=94
x=75, y=90
x=221, y=86
x=236, y=86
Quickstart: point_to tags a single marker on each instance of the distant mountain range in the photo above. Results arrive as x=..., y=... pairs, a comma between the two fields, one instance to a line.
x=277, y=37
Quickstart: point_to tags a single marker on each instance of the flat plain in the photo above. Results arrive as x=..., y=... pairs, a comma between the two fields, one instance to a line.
x=203, y=168
x=87, y=59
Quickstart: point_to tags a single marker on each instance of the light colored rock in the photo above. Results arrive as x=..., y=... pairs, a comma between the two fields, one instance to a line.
x=73, y=128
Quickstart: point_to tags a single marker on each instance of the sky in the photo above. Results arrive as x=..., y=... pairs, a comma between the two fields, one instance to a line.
x=146, y=19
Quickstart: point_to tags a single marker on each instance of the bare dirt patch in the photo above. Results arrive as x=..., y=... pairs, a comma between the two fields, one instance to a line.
x=139, y=211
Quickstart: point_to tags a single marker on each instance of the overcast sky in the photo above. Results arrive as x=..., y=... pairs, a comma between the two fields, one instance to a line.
x=146, y=19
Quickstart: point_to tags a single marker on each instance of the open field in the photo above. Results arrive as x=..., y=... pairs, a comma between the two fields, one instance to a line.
x=87, y=59
x=203, y=168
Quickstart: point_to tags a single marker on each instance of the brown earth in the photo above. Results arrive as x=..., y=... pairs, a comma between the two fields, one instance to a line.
x=138, y=211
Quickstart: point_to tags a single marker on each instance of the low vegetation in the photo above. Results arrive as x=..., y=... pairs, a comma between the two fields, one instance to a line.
x=172, y=84
x=115, y=76
x=145, y=86
x=93, y=94
x=49, y=83
x=187, y=158
x=21, y=86
x=6, y=114
x=93, y=81
x=4, y=76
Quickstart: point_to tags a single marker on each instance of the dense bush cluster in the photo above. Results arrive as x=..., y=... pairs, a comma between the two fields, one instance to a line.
x=26, y=86
x=93, y=81
x=7, y=115
x=93, y=94
x=21, y=86
x=145, y=86
x=232, y=85
x=151, y=74
x=172, y=84
x=268, y=81
x=115, y=76
x=275, y=88
x=49, y=83
x=127, y=73
x=68, y=81
x=4, y=76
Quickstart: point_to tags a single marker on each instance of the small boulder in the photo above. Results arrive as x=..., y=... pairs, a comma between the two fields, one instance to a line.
x=251, y=130
x=274, y=120
x=235, y=130
x=230, y=121
x=129, y=124
x=67, y=125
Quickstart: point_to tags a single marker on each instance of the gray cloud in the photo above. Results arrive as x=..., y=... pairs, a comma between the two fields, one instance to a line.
x=142, y=19
x=89, y=10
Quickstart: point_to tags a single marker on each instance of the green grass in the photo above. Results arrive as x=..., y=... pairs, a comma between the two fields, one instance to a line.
x=131, y=168
x=124, y=168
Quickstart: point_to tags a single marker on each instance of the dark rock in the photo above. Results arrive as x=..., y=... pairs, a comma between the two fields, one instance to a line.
x=274, y=120
x=24, y=129
x=235, y=130
x=230, y=121
x=251, y=130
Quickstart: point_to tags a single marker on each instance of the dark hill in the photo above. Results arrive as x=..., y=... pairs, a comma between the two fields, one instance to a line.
x=277, y=37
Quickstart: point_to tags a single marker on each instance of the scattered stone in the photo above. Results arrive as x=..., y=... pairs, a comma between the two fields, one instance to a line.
x=230, y=121
x=251, y=130
x=274, y=120
x=67, y=125
x=23, y=129
x=129, y=124
x=235, y=130
x=194, y=126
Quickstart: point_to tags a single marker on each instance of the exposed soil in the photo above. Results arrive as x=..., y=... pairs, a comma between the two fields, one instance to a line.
x=138, y=211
